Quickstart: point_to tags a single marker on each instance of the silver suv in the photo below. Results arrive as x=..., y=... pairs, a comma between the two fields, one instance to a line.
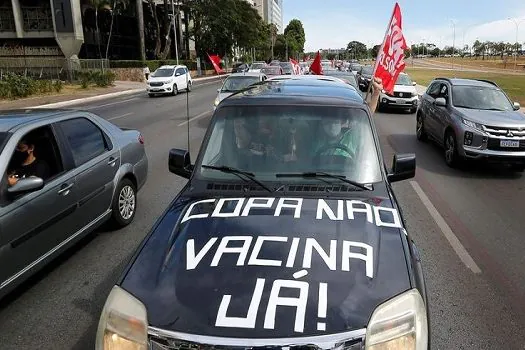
x=472, y=119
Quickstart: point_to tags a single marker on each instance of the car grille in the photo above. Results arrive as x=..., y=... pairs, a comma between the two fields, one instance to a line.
x=401, y=94
x=161, y=340
x=493, y=144
x=504, y=132
x=156, y=84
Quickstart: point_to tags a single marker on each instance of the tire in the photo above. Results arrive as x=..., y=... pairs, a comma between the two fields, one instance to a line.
x=174, y=90
x=151, y=95
x=188, y=89
x=126, y=192
x=420, y=128
x=451, y=150
x=412, y=110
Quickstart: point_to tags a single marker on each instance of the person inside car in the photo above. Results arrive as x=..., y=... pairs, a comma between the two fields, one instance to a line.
x=26, y=164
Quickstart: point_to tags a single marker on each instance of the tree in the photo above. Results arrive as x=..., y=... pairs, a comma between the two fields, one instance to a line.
x=357, y=49
x=116, y=8
x=294, y=37
x=279, y=48
x=98, y=5
x=374, y=51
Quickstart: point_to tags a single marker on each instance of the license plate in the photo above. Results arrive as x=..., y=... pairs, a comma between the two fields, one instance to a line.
x=509, y=143
x=155, y=90
x=400, y=102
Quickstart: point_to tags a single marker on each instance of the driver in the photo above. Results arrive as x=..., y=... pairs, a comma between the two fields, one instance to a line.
x=336, y=141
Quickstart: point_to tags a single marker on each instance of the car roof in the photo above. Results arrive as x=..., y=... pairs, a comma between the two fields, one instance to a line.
x=469, y=82
x=15, y=117
x=168, y=66
x=297, y=91
x=249, y=74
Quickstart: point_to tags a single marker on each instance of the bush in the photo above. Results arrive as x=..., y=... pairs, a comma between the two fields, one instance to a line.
x=99, y=78
x=18, y=86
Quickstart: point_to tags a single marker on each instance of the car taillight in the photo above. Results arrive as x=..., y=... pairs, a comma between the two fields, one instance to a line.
x=141, y=139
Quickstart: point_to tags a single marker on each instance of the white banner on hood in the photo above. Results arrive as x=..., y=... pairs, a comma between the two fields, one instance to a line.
x=343, y=210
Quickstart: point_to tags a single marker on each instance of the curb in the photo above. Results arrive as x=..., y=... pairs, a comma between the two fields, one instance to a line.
x=110, y=95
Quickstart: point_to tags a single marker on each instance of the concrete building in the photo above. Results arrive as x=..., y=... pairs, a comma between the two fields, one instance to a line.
x=43, y=21
x=272, y=12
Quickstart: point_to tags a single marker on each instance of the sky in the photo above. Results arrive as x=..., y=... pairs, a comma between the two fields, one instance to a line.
x=334, y=23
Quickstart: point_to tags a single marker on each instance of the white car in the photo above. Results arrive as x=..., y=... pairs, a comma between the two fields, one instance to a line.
x=237, y=82
x=255, y=67
x=169, y=80
x=404, y=96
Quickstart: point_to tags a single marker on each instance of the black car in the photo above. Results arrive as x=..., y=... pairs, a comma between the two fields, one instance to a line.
x=364, y=76
x=278, y=239
x=348, y=77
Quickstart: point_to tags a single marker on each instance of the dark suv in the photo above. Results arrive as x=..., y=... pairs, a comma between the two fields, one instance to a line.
x=472, y=119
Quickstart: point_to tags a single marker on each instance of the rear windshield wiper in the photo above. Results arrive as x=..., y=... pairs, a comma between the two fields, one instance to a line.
x=241, y=174
x=320, y=174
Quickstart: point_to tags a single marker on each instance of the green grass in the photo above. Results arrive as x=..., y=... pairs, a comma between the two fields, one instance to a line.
x=514, y=85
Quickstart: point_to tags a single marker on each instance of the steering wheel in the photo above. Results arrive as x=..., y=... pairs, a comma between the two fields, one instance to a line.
x=334, y=147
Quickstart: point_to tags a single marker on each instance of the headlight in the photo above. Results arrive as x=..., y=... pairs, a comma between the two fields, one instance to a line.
x=216, y=102
x=167, y=82
x=123, y=323
x=471, y=124
x=400, y=323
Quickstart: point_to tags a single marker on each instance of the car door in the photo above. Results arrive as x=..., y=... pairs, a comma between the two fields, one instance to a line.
x=441, y=113
x=180, y=77
x=97, y=160
x=429, y=109
x=35, y=224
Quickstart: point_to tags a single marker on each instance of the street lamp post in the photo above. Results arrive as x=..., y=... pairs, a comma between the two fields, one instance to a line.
x=517, y=22
x=175, y=30
x=453, y=41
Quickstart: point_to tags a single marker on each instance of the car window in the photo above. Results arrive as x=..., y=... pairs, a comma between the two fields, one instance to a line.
x=279, y=139
x=237, y=83
x=434, y=89
x=404, y=79
x=476, y=97
x=86, y=139
x=4, y=136
x=163, y=73
x=179, y=71
x=443, y=91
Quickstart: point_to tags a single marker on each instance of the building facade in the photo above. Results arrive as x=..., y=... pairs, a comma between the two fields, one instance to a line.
x=272, y=12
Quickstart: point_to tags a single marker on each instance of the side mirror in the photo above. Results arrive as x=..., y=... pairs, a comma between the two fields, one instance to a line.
x=177, y=74
x=28, y=184
x=403, y=167
x=516, y=106
x=440, y=101
x=219, y=90
x=179, y=162
x=414, y=83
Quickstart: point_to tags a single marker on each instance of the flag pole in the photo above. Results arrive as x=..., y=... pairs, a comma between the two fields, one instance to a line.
x=379, y=52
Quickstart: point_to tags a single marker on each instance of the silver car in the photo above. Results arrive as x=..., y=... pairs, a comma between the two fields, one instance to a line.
x=91, y=171
x=237, y=82
x=472, y=119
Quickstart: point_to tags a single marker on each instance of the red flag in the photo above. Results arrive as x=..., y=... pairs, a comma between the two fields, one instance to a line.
x=296, y=66
x=216, y=61
x=316, y=66
x=390, y=59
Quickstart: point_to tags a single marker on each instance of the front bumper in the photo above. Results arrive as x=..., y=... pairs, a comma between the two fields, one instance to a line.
x=163, y=89
x=476, y=144
x=364, y=83
x=399, y=102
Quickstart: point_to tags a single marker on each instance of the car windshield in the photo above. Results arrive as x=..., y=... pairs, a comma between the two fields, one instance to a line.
x=475, y=97
x=271, y=70
x=355, y=67
x=163, y=72
x=367, y=70
x=238, y=83
x=349, y=77
x=270, y=140
x=257, y=65
x=404, y=79
x=3, y=138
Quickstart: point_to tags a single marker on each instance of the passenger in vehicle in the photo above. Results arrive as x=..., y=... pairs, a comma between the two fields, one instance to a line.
x=26, y=164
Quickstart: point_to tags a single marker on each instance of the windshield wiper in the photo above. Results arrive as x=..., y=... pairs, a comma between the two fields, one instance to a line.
x=494, y=109
x=241, y=174
x=320, y=174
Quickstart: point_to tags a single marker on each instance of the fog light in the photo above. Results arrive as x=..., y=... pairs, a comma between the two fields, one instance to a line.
x=468, y=138
x=384, y=100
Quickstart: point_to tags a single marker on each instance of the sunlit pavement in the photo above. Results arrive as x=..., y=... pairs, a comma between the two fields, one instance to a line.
x=468, y=224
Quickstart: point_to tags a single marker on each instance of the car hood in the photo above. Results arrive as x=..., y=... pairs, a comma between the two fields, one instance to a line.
x=213, y=267
x=156, y=79
x=222, y=95
x=494, y=118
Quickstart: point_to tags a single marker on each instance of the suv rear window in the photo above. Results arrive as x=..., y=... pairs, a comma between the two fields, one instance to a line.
x=4, y=136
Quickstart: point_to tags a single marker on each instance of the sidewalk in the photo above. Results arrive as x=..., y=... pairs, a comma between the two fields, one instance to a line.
x=72, y=95
x=421, y=90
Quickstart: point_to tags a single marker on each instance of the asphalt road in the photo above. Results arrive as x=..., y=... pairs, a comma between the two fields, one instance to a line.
x=467, y=223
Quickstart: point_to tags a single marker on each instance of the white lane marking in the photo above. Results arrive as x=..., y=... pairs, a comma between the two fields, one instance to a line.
x=113, y=103
x=120, y=116
x=196, y=117
x=447, y=231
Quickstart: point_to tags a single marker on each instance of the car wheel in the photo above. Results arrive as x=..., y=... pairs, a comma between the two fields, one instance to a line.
x=188, y=89
x=412, y=110
x=124, y=204
x=174, y=90
x=420, y=128
x=451, y=150
x=151, y=95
